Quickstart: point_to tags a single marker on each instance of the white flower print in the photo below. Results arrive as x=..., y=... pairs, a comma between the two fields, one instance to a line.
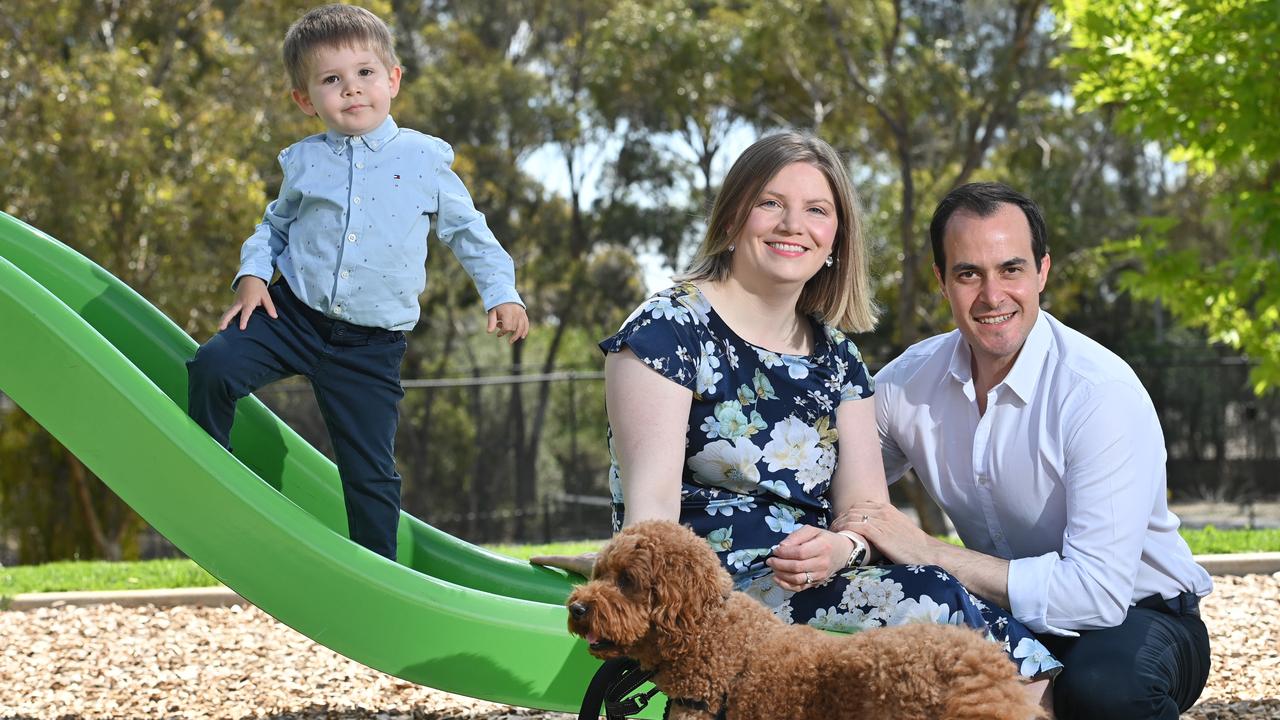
x=732, y=355
x=879, y=595
x=851, y=392
x=729, y=466
x=792, y=445
x=834, y=620
x=778, y=488
x=662, y=307
x=797, y=367
x=1035, y=657
x=657, y=363
x=710, y=426
x=692, y=298
x=822, y=399
x=814, y=474
x=783, y=612
x=768, y=358
x=727, y=507
x=783, y=519
x=739, y=560
x=833, y=382
x=767, y=592
x=925, y=610
x=707, y=365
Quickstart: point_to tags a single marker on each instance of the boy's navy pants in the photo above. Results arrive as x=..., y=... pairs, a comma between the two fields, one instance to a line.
x=355, y=373
x=1152, y=666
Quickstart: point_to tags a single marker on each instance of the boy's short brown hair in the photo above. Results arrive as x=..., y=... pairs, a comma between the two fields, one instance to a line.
x=335, y=26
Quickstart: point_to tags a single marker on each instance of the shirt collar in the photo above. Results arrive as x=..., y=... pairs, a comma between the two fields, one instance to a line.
x=1025, y=373
x=374, y=139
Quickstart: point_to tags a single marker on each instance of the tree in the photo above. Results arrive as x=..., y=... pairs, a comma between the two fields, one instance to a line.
x=1199, y=78
x=125, y=126
x=922, y=90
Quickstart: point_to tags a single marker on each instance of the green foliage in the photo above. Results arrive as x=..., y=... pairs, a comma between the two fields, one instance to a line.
x=1198, y=77
x=145, y=135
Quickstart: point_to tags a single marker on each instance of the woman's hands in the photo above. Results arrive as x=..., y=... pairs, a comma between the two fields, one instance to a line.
x=808, y=557
x=580, y=564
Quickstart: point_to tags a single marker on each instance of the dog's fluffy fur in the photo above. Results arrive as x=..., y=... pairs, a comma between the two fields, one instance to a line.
x=660, y=597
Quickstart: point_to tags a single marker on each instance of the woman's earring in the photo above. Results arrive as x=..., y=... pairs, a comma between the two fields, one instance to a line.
x=830, y=261
x=732, y=248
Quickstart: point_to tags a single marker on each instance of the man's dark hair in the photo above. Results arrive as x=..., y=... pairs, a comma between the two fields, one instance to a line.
x=984, y=199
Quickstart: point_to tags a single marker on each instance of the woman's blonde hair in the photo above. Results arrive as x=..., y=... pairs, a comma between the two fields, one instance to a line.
x=840, y=294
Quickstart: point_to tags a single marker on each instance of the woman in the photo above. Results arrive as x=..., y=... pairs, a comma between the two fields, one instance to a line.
x=738, y=406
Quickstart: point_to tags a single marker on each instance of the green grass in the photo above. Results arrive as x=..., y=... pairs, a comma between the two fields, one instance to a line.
x=62, y=576
x=1212, y=541
x=524, y=552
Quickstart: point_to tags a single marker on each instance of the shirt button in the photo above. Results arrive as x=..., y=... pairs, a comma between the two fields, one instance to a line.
x=337, y=309
x=345, y=274
x=359, y=166
x=356, y=200
x=351, y=237
x=998, y=537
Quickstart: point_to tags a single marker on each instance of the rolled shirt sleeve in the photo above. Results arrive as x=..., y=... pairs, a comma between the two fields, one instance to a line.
x=1113, y=447
x=463, y=229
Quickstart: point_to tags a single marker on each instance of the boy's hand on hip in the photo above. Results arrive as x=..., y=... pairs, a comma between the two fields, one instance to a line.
x=509, y=319
x=251, y=292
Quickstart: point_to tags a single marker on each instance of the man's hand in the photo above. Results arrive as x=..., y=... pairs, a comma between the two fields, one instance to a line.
x=892, y=533
x=509, y=319
x=251, y=292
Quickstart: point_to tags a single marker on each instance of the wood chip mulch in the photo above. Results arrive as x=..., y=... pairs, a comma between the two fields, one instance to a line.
x=112, y=662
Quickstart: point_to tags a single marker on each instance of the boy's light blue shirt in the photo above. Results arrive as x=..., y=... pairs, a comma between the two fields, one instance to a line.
x=349, y=228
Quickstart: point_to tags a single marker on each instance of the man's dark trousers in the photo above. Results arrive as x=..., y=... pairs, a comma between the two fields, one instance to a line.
x=355, y=373
x=1151, y=666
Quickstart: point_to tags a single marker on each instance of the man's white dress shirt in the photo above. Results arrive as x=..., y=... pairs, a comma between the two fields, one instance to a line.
x=1064, y=475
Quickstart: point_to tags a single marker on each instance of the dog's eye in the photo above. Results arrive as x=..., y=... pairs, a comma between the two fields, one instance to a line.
x=625, y=582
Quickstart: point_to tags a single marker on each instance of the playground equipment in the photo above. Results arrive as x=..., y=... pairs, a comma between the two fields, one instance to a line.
x=102, y=370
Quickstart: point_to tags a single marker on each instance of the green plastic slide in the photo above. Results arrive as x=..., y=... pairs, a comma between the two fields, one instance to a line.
x=102, y=370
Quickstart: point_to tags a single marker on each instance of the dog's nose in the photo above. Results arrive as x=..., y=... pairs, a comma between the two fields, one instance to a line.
x=577, y=609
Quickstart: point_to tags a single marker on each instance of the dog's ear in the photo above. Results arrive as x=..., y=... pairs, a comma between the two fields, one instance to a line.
x=689, y=582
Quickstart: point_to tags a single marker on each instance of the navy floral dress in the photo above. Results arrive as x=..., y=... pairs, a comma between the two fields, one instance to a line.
x=761, y=450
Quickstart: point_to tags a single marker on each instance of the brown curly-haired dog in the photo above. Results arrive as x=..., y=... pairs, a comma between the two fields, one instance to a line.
x=660, y=596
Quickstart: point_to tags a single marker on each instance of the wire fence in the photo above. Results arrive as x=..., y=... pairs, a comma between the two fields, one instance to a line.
x=522, y=457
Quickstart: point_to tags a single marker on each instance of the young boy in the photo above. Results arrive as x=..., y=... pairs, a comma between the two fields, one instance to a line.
x=348, y=236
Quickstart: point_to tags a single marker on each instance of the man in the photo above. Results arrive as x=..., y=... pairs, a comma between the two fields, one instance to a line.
x=1046, y=452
